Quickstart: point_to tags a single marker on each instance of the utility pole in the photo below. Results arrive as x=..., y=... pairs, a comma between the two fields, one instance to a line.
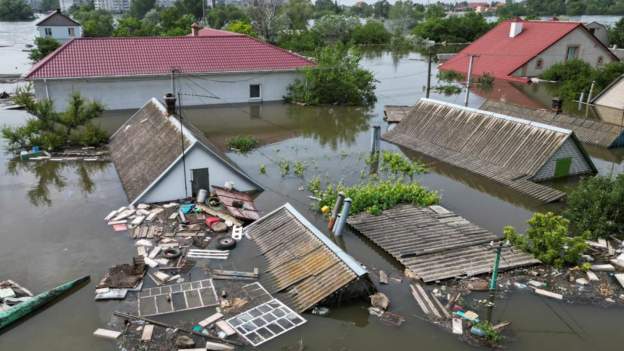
x=589, y=97
x=182, y=144
x=173, y=91
x=468, y=79
x=428, y=75
x=495, y=269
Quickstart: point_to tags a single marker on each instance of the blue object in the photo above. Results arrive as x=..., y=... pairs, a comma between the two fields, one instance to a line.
x=197, y=328
x=463, y=315
x=477, y=331
x=35, y=149
x=186, y=208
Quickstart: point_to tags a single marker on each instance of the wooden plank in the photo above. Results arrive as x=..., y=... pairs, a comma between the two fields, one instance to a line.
x=211, y=319
x=148, y=330
x=419, y=300
x=425, y=297
x=383, y=277
x=106, y=333
x=225, y=327
x=548, y=294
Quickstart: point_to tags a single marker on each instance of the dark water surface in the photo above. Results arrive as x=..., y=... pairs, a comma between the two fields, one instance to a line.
x=52, y=228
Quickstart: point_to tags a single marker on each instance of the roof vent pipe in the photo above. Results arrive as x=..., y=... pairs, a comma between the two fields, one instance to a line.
x=516, y=28
x=170, y=101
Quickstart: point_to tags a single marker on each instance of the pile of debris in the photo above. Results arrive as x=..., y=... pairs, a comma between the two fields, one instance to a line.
x=12, y=294
x=87, y=154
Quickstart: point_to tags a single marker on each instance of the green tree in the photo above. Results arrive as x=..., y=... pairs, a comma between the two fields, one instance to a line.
x=616, y=34
x=48, y=5
x=575, y=7
x=595, y=206
x=435, y=11
x=548, y=239
x=372, y=33
x=336, y=80
x=95, y=23
x=454, y=29
x=43, y=47
x=325, y=7
x=304, y=42
x=138, y=8
x=129, y=26
x=335, y=28
x=404, y=15
x=241, y=27
x=15, y=10
x=381, y=9
x=362, y=10
x=298, y=13
x=220, y=15
x=189, y=7
x=266, y=18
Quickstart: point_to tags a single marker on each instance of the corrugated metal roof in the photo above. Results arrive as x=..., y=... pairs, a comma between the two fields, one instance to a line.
x=148, y=144
x=434, y=242
x=589, y=131
x=502, y=148
x=301, y=260
x=395, y=113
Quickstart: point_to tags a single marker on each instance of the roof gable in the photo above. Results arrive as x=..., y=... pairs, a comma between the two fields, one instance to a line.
x=57, y=19
x=500, y=56
x=155, y=56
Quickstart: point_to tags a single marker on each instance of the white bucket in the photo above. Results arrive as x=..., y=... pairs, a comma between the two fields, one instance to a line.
x=202, y=195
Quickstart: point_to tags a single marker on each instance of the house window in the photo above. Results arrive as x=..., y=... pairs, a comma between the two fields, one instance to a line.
x=254, y=91
x=572, y=53
x=539, y=64
x=48, y=32
x=600, y=60
x=71, y=32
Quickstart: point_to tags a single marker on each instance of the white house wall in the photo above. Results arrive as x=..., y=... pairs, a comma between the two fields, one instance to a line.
x=614, y=98
x=589, y=51
x=171, y=186
x=60, y=33
x=130, y=93
x=568, y=149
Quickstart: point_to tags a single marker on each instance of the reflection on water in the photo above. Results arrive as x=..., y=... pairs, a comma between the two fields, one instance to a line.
x=48, y=174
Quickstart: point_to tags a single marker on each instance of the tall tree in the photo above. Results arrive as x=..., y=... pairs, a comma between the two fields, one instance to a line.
x=138, y=8
x=381, y=9
x=15, y=10
x=265, y=18
x=298, y=13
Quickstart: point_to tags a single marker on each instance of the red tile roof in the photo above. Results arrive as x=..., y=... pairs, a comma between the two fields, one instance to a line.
x=211, y=32
x=136, y=56
x=500, y=56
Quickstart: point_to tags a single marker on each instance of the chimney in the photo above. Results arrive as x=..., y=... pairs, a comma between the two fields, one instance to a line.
x=170, y=101
x=195, y=29
x=516, y=27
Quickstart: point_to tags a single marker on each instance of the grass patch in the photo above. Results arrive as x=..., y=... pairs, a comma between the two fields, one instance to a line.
x=242, y=143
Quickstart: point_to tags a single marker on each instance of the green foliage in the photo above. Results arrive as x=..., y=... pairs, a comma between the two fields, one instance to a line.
x=576, y=76
x=301, y=41
x=262, y=169
x=595, y=206
x=616, y=34
x=376, y=196
x=404, y=15
x=335, y=28
x=43, y=47
x=548, y=240
x=138, y=8
x=453, y=29
x=284, y=166
x=299, y=168
x=52, y=130
x=337, y=79
x=241, y=27
x=586, y=266
x=381, y=9
x=221, y=15
x=95, y=23
x=372, y=33
x=48, y=5
x=447, y=89
x=491, y=334
x=133, y=27
x=536, y=8
x=15, y=10
x=298, y=13
x=24, y=97
x=450, y=76
x=398, y=164
x=242, y=143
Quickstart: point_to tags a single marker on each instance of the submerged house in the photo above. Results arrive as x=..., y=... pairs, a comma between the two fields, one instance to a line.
x=59, y=27
x=122, y=73
x=510, y=151
x=612, y=96
x=518, y=49
x=304, y=267
x=158, y=158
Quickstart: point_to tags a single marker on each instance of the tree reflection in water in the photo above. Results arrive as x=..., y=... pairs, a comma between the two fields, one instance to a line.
x=50, y=174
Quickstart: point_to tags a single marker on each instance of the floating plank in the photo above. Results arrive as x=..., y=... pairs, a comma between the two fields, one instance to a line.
x=208, y=321
x=106, y=333
x=592, y=276
x=548, y=294
x=148, y=330
x=383, y=277
x=226, y=328
x=603, y=268
x=458, y=328
x=236, y=273
x=620, y=278
x=215, y=346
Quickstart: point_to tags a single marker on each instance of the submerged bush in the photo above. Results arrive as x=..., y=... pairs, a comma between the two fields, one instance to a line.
x=548, y=239
x=242, y=143
x=336, y=80
x=398, y=164
x=595, y=206
x=576, y=76
x=375, y=196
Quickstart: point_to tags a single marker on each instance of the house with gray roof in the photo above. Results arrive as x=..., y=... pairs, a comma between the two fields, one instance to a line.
x=510, y=151
x=59, y=27
x=159, y=157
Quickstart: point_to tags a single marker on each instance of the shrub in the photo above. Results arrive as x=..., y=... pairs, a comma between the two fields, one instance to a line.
x=491, y=334
x=595, y=206
x=400, y=165
x=548, y=240
x=301, y=41
x=372, y=33
x=242, y=143
x=337, y=79
x=576, y=76
x=241, y=27
x=450, y=76
x=376, y=196
x=453, y=29
x=43, y=47
x=299, y=168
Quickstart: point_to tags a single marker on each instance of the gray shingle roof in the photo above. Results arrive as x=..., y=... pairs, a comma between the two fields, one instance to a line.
x=57, y=19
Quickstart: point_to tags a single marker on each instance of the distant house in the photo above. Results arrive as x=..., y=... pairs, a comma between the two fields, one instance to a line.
x=122, y=73
x=599, y=30
x=65, y=5
x=115, y=6
x=59, y=27
x=612, y=96
x=147, y=152
x=513, y=152
x=518, y=49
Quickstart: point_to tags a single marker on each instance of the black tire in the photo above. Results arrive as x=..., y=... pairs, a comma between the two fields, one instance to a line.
x=226, y=243
x=172, y=252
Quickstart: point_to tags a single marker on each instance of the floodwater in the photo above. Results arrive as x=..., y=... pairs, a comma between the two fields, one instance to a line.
x=52, y=227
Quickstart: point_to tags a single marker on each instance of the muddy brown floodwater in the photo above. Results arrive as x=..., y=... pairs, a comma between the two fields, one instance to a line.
x=52, y=228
